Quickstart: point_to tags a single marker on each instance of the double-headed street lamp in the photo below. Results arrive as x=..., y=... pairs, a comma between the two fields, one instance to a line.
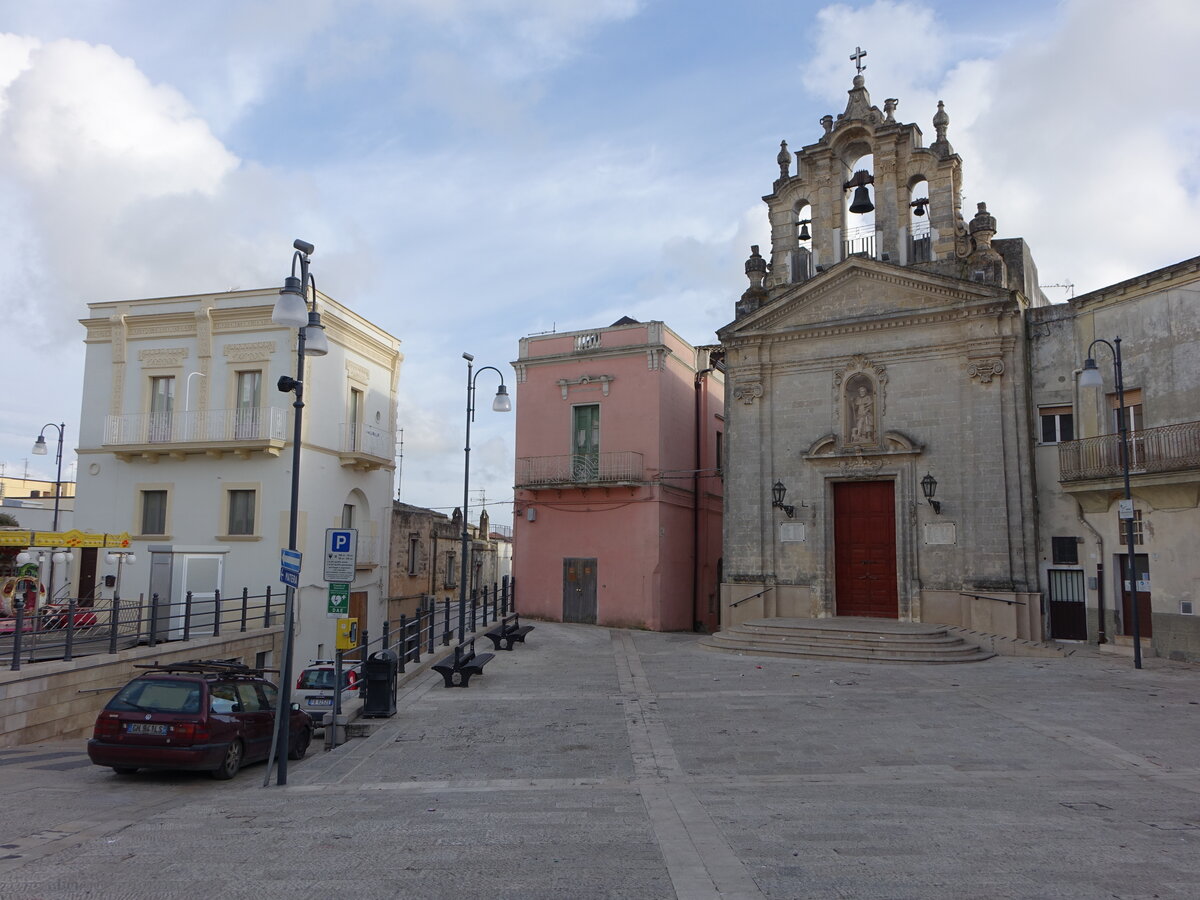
x=292, y=310
x=1090, y=378
x=40, y=449
x=501, y=403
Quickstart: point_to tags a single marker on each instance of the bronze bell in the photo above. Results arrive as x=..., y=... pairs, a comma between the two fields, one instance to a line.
x=862, y=200
x=920, y=210
x=804, y=235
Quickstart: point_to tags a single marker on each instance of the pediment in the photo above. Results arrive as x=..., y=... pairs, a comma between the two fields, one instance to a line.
x=862, y=289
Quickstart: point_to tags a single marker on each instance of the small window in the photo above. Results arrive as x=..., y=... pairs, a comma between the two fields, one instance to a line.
x=1058, y=424
x=154, y=512
x=720, y=454
x=451, y=571
x=241, y=512
x=1065, y=550
x=348, y=515
x=1137, y=527
x=414, y=546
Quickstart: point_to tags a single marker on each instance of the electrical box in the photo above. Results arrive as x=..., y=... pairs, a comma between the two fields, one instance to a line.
x=347, y=634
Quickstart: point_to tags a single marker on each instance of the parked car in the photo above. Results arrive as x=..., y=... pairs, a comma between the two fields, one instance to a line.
x=200, y=715
x=314, y=688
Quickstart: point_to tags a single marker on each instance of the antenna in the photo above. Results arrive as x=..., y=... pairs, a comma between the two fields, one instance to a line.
x=1067, y=284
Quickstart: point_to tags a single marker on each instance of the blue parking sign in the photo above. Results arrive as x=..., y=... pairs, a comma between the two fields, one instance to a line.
x=341, y=554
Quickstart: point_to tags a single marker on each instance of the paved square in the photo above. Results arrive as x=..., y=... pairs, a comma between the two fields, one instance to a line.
x=592, y=762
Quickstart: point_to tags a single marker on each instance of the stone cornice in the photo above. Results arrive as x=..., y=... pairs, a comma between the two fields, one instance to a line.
x=963, y=294
x=878, y=323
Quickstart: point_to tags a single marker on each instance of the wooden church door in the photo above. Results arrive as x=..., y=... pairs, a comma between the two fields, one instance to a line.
x=864, y=536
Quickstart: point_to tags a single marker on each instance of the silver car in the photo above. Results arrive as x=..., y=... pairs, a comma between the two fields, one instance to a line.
x=314, y=688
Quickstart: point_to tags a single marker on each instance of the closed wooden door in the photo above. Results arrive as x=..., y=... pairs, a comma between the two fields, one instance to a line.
x=358, y=609
x=1141, y=586
x=865, y=549
x=579, y=590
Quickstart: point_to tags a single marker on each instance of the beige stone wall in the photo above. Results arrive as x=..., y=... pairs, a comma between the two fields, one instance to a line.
x=54, y=700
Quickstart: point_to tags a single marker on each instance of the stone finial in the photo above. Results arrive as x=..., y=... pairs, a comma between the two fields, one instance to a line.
x=982, y=227
x=784, y=159
x=827, y=123
x=756, y=268
x=985, y=265
x=756, y=295
x=941, y=121
x=889, y=109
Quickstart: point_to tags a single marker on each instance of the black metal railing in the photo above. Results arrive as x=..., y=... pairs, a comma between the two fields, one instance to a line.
x=69, y=628
x=435, y=623
x=1167, y=448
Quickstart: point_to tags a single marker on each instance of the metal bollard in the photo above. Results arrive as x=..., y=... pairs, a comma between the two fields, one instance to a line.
x=187, y=616
x=70, y=629
x=216, y=613
x=153, y=638
x=245, y=606
x=116, y=620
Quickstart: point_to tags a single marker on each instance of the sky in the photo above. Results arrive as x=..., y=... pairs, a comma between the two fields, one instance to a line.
x=474, y=171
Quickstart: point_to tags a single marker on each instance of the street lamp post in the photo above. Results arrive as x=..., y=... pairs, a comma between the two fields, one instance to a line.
x=292, y=310
x=1090, y=378
x=39, y=449
x=501, y=403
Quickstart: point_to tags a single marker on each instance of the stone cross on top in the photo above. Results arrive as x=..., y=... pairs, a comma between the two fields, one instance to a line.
x=856, y=58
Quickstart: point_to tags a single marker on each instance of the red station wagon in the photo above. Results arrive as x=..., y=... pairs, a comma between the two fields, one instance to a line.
x=213, y=716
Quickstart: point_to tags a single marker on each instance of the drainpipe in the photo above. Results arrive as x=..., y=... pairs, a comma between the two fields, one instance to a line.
x=1101, y=636
x=699, y=429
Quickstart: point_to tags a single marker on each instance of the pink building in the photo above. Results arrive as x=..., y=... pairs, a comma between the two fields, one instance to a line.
x=618, y=482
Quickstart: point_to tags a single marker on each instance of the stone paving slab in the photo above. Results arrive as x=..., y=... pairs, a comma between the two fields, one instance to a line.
x=592, y=762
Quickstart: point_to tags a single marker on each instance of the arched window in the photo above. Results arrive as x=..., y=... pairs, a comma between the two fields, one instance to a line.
x=858, y=237
x=801, y=262
x=920, y=235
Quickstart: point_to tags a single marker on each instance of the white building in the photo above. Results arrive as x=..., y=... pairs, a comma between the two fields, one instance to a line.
x=185, y=443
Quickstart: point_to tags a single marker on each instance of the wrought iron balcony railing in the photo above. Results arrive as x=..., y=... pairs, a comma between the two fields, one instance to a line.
x=1169, y=448
x=196, y=426
x=616, y=467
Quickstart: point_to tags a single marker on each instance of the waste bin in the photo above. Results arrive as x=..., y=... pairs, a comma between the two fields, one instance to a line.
x=379, y=675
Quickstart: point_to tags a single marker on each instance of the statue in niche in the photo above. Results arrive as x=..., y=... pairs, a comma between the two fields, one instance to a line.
x=861, y=403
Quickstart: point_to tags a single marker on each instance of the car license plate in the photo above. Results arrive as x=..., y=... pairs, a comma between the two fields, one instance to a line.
x=145, y=728
x=320, y=701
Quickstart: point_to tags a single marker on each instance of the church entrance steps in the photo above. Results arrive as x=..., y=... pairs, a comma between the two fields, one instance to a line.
x=851, y=639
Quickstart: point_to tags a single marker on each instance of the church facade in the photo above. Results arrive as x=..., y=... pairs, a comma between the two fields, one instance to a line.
x=888, y=373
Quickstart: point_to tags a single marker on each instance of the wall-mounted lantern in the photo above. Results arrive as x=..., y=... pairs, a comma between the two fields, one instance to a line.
x=778, y=492
x=929, y=488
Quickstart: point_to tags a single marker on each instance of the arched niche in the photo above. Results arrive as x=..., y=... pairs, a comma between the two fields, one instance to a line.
x=861, y=411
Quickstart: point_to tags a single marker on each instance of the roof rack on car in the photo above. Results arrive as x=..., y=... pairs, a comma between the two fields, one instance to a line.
x=206, y=666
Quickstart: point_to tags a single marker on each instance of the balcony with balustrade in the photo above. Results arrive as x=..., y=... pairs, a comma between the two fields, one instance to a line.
x=366, y=448
x=209, y=432
x=1164, y=465
x=612, y=469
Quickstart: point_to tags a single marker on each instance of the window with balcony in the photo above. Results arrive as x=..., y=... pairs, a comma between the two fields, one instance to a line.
x=585, y=442
x=154, y=512
x=248, y=404
x=162, y=407
x=241, y=512
x=1058, y=424
x=356, y=419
